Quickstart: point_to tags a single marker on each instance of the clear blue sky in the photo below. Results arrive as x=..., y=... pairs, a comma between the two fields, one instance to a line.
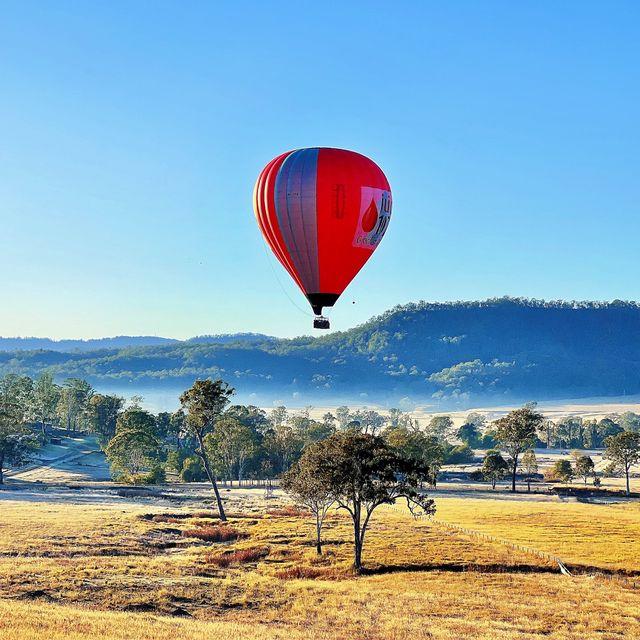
x=132, y=134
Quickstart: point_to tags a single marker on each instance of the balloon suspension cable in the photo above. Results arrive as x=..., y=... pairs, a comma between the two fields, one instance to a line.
x=286, y=293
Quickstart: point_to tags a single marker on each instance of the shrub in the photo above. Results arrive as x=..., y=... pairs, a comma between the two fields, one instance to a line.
x=299, y=573
x=175, y=459
x=216, y=533
x=157, y=475
x=242, y=556
x=461, y=454
x=561, y=470
x=165, y=518
x=204, y=514
x=193, y=470
x=310, y=573
x=488, y=440
x=476, y=476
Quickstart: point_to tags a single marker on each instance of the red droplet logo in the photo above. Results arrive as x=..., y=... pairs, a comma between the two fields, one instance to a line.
x=370, y=217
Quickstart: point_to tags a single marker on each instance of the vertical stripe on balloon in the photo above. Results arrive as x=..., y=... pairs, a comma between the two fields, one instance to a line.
x=295, y=199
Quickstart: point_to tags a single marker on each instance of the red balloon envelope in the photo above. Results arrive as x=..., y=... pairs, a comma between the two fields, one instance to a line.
x=323, y=212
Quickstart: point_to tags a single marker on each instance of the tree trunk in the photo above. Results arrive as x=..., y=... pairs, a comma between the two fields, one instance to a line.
x=357, y=540
x=357, y=562
x=318, y=533
x=626, y=471
x=513, y=475
x=212, y=478
x=528, y=485
x=1, y=467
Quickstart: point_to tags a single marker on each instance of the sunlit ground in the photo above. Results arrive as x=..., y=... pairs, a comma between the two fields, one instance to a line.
x=124, y=566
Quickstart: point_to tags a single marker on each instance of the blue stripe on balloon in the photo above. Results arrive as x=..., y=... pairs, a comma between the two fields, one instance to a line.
x=295, y=199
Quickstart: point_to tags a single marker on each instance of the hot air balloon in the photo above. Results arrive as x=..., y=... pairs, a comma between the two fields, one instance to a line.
x=322, y=212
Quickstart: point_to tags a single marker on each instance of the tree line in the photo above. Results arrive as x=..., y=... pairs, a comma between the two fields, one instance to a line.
x=209, y=437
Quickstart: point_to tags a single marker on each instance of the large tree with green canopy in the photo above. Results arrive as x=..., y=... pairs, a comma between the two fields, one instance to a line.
x=203, y=404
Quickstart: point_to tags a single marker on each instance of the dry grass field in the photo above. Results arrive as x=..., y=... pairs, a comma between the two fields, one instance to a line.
x=605, y=536
x=139, y=570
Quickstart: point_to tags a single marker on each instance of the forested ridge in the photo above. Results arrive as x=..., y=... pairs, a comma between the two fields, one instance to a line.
x=503, y=347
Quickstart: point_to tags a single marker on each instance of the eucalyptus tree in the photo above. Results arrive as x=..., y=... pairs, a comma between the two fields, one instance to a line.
x=562, y=470
x=135, y=446
x=416, y=445
x=46, y=394
x=307, y=488
x=203, y=405
x=516, y=432
x=73, y=405
x=630, y=421
x=494, y=467
x=283, y=446
x=231, y=445
x=623, y=450
x=361, y=472
x=439, y=427
x=17, y=442
x=103, y=414
x=584, y=467
x=368, y=421
x=529, y=466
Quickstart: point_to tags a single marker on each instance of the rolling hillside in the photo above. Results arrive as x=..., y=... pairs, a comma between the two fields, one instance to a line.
x=461, y=351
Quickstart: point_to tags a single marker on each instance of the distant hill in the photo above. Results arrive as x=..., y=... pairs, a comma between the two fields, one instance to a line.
x=226, y=338
x=119, y=342
x=457, y=352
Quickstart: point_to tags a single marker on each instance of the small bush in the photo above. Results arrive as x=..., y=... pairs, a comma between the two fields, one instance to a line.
x=165, y=518
x=204, y=514
x=175, y=459
x=461, y=454
x=193, y=470
x=488, y=441
x=157, y=475
x=242, y=556
x=299, y=573
x=216, y=533
x=310, y=573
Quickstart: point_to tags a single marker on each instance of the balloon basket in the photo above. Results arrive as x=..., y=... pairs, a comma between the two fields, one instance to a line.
x=321, y=323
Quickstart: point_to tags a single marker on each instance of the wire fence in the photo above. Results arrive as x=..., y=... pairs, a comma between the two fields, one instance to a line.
x=487, y=537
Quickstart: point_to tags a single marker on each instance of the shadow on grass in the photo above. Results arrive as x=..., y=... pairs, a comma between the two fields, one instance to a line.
x=459, y=568
x=499, y=568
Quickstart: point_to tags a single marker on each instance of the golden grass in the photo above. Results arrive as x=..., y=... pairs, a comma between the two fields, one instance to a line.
x=54, y=622
x=598, y=535
x=423, y=582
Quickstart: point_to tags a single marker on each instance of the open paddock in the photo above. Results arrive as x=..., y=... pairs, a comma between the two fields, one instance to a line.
x=132, y=566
